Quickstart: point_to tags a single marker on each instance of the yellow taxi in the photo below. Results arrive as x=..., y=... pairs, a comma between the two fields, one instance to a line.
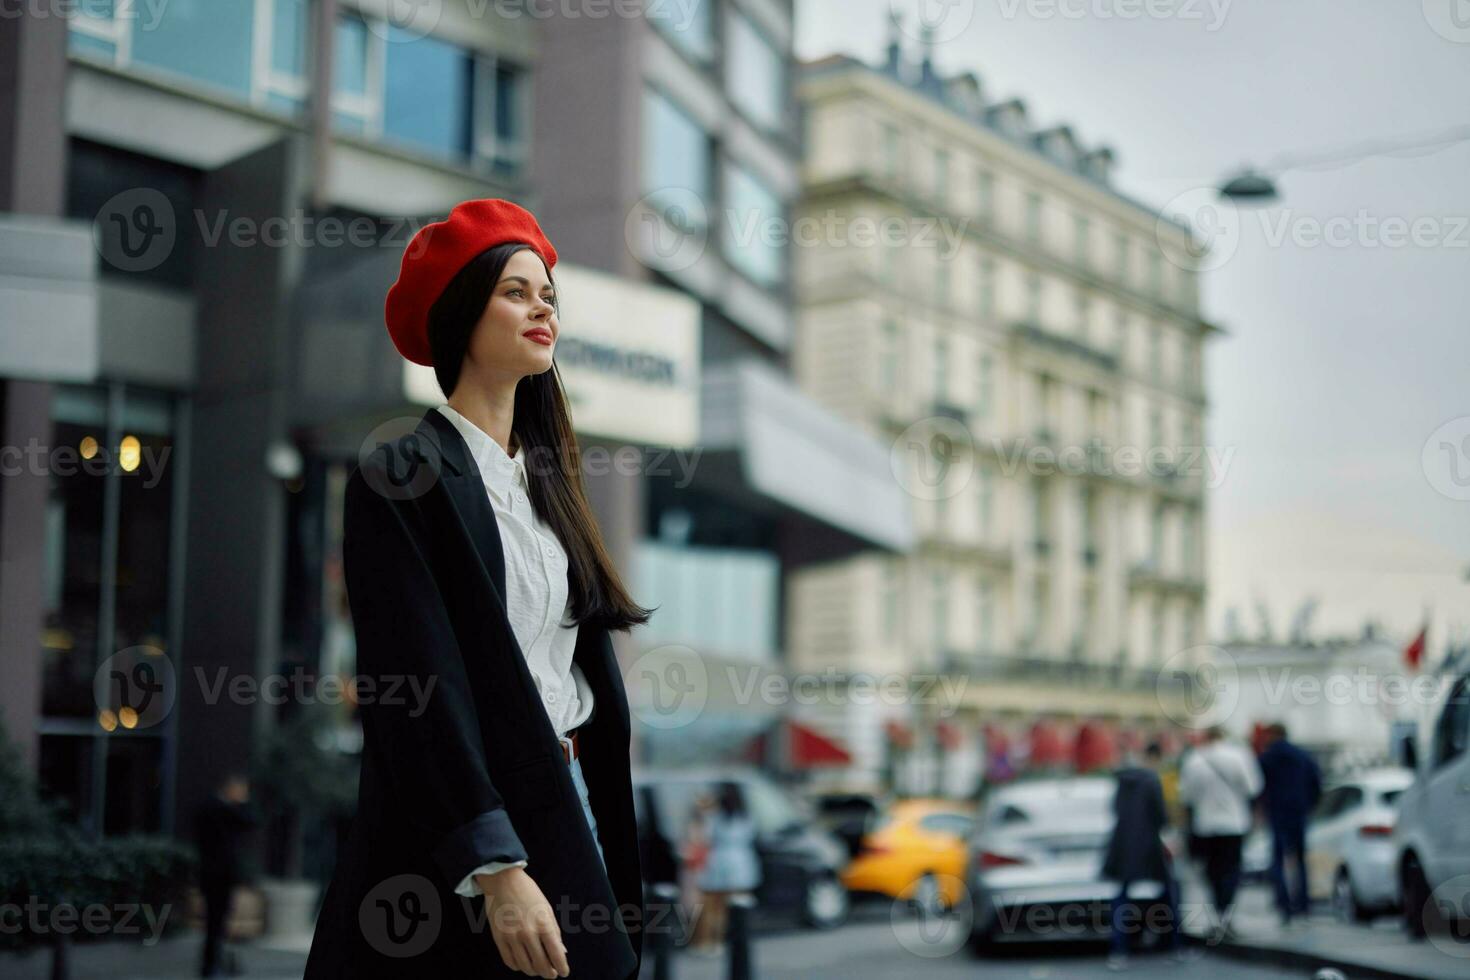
x=915, y=852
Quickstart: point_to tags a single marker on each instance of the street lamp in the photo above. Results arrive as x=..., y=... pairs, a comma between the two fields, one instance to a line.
x=1252, y=186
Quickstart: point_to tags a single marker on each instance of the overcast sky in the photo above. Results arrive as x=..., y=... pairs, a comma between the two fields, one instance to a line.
x=1342, y=358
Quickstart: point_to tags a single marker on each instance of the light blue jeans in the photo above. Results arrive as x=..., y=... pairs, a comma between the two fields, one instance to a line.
x=581, y=784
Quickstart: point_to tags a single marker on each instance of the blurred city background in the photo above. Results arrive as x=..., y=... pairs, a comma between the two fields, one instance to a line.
x=985, y=393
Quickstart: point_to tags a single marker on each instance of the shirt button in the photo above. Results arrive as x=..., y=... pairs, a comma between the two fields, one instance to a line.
x=550, y=551
x=551, y=698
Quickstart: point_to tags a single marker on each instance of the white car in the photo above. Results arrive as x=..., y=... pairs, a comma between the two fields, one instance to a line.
x=1350, y=852
x=1034, y=864
x=1432, y=837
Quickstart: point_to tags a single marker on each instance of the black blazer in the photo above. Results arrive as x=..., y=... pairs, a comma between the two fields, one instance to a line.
x=472, y=772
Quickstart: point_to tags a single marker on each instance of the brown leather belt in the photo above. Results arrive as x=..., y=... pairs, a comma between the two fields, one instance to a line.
x=570, y=747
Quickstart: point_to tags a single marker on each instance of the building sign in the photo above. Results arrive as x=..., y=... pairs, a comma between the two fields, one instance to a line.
x=628, y=353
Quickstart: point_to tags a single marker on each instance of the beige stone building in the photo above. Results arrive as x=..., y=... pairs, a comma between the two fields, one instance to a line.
x=974, y=292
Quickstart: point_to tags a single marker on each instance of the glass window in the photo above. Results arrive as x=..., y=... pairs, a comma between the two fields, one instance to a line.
x=941, y=174
x=288, y=36
x=752, y=214
x=947, y=823
x=754, y=74
x=1033, y=298
x=676, y=156
x=427, y=91
x=890, y=150
x=888, y=357
x=207, y=40
x=987, y=287
x=350, y=57
x=146, y=462
x=985, y=184
x=941, y=610
x=1082, y=232
x=1033, y=217
x=688, y=25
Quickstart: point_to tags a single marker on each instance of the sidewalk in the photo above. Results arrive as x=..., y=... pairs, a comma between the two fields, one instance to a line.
x=1377, y=950
x=176, y=957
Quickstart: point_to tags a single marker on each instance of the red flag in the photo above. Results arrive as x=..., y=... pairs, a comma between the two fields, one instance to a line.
x=1414, y=652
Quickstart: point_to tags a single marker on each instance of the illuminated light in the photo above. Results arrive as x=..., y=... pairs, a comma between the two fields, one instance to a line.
x=88, y=447
x=107, y=719
x=129, y=453
x=128, y=717
x=57, y=639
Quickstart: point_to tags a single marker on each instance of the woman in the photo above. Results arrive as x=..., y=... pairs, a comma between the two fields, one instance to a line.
x=731, y=865
x=495, y=833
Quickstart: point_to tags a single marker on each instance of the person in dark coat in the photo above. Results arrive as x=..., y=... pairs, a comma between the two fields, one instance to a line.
x=1136, y=852
x=1293, y=787
x=495, y=833
x=220, y=825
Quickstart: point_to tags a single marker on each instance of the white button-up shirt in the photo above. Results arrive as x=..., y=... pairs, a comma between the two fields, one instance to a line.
x=536, y=592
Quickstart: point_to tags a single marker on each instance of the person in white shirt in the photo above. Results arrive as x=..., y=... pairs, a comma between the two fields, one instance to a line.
x=1219, y=781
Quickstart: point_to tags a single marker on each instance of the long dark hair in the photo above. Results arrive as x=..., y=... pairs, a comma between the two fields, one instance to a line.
x=543, y=427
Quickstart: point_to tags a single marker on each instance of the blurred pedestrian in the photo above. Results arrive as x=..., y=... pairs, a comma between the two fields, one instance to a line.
x=220, y=825
x=1293, y=787
x=1218, y=781
x=731, y=864
x=1136, y=851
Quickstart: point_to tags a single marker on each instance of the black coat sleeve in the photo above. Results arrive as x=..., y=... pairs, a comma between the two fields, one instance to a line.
x=426, y=742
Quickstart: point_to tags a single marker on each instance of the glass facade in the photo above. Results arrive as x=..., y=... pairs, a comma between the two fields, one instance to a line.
x=754, y=74
x=751, y=231
x=427, y=95
x=689, y=25
x=676, y=157
x=717, y=599
x=107, y=576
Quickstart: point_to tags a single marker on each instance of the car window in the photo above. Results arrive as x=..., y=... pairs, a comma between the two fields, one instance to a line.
x=947, y=823
x=1352, y=796
x=1453, y=730
x=768, y=807
x=1008, y=815
x=1391, y=796
x=1330, y=805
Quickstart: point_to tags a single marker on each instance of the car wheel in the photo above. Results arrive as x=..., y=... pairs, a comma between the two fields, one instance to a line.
x=1345, y=904
x=1416, y=897
x=826, y=903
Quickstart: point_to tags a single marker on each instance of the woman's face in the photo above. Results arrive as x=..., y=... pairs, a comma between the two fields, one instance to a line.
x=517, y=333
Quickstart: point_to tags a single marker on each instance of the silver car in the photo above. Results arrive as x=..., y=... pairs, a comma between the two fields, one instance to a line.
x=1034, y=867
x=1350, y=850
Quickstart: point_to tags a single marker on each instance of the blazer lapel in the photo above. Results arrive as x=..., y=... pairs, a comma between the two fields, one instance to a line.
x=461, y=478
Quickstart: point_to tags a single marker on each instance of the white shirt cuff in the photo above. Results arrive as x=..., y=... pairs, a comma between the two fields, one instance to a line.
x=467, y=888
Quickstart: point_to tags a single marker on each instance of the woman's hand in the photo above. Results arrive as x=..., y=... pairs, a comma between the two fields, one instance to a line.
x=523, y=924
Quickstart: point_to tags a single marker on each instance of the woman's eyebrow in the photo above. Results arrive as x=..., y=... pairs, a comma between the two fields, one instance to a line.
x=525, y=281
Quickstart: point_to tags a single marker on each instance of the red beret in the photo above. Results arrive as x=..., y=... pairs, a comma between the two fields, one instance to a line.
x=439, y=251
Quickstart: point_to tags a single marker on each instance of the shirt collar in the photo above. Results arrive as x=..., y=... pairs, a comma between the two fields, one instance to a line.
x=500, y=472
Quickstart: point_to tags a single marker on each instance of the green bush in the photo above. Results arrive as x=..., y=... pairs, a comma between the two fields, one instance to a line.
x=46, y=862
